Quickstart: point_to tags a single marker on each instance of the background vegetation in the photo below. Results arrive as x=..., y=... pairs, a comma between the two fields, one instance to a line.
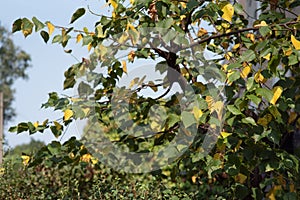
x=257, y=65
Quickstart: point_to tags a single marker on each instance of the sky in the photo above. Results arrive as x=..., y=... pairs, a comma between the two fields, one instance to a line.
x=49, y=61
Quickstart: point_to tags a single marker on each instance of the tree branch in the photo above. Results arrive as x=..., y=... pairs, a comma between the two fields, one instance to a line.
x=233, y=33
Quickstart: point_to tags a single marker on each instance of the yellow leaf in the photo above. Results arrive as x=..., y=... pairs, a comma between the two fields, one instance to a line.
x=209, y=100
x=197, y=112
x=50, y=28
x=133, y=82
x=58, y=125
x=2, y=171
x=228, y=55
x=194, y=179
x=86, y=111
x=114, y=15
x=292, y=117
x=295, y=42
x=71, y=155
x=131, y=56
x=75, y=99
x=86, y=30
x=78, y=38
x=200, y=85
x=229, y=73
x=36, y=124
x=123, y=38
x=238, y=145
x=225, y=25
x=240, y=178
x=259, y=78
x=228, y=11
x=89, y=46
x=183, y=4
x=265, y=120
x=27, y=32
x=154, y=125
x=217, y=156
x=288, y=51
x=113, y=3
x=246, y=70
x=201, y=32
x=124, y=66
x=68, y=114
x=166, y=172
x=236, y=46
x=45, y=122
x=86, y=157
x=292, y=187
x=262, y=23
x=272, y=193
x=225, y=134
x=267, y=57
x=218, y=107
x=251, y=36
x=224, y=67
x=94, y=160
x=25, y=159
x=262, y=121
x=277, y=91
x=131, y=2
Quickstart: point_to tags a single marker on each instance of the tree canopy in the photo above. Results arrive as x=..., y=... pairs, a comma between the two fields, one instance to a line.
x=14, y=63
x=214, y=109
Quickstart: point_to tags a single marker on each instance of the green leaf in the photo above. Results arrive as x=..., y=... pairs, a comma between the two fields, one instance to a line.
x=68, y=51
x=27, y=26
x=267, y=94
x=87, y=40
x=249, y=120
x=84, y=89
x=188, y=119
x=238, y=8
x=54, y=147
x=167, y=23
x=57, y=39
x=241, y=191
x=293, y=59
x=78, y=13
x=248, y=56
x=234, y=110
x=38, y=24
x=254, y=99
x=22, y=127
x=69, y=82
x=250, y=83
x=170, y=35
x=13, y=129
x=234, y=76
x=274, y=63
x=172, y=119
x=264, y=30
x=45, y=36
x=99, y=32
x=17, y=25
x=56, y=132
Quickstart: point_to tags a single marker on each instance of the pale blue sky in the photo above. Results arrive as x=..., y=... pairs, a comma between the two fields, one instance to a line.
x=48, y=60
